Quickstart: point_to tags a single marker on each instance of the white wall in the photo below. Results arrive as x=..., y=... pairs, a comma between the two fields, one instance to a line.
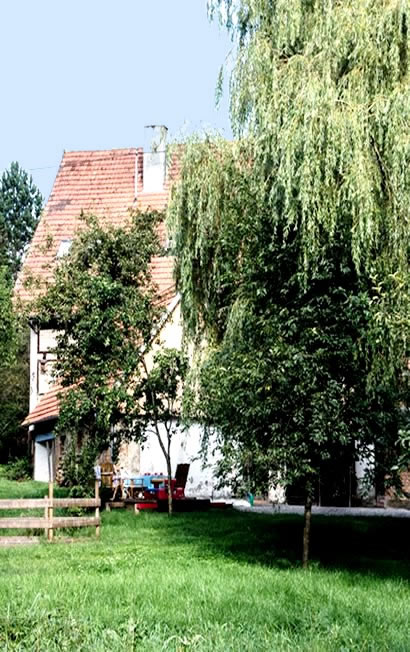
x=185, y=448
x=41, y=469
x=41, y=363
x=33, y=369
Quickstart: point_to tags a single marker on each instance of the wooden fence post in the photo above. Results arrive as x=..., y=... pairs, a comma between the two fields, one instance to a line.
x=46, y=517
x=50, y=511
x=49, y=522
x=97, y=509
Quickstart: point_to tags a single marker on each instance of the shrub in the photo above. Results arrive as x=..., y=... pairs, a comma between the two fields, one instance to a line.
x=19, y=469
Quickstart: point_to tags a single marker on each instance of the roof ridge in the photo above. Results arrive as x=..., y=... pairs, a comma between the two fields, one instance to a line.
x=101, y=151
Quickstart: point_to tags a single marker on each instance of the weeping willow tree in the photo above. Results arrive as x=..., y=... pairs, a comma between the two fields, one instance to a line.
x=292, y=242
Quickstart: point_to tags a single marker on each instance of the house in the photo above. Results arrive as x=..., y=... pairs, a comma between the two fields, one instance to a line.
x=108, y=184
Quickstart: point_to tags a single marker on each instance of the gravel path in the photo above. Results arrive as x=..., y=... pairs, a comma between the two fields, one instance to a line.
x=323, y=511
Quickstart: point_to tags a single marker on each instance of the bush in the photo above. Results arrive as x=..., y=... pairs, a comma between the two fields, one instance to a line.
x=19, y=469
x=78, y=468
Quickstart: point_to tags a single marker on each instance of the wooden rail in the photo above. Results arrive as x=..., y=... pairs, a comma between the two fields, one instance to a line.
x=49, y=522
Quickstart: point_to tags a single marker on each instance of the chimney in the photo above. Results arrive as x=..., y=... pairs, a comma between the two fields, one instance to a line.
x=154, y=158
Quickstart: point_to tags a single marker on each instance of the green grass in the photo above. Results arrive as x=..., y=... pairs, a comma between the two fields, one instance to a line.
x=219, y=581
x=26, y=489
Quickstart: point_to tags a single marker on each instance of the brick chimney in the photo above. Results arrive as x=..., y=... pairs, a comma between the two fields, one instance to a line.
x=154, y=158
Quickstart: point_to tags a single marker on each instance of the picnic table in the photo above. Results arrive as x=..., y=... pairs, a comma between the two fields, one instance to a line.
x=133, y=486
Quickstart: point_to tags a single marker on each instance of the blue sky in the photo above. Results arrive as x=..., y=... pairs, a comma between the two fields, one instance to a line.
x=90, y=74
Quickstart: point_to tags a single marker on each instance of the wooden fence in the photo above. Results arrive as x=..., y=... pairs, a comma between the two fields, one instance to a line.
x=49, y=522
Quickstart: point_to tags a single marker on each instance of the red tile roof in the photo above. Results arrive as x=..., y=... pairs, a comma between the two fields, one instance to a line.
x=104, y=183
x=47, y=408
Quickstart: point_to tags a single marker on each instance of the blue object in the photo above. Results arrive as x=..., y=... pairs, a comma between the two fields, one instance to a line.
x=144, y=481
x=46, y=437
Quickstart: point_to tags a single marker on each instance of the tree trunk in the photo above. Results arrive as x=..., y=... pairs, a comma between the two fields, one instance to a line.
x=306, y=529
x=169, y=486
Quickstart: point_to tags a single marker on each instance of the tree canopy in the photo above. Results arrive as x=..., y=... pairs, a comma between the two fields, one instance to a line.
x=292, y=242
x=14, y=385
x=105, y=308
x=319, y=103
x=20, y=207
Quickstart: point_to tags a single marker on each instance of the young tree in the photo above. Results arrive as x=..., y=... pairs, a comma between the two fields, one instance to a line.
x=162, y=402
x=105, y=309
x=20, y=207
x=292, y=243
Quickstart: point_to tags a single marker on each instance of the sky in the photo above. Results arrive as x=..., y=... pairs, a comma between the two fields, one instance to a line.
x=91, y=74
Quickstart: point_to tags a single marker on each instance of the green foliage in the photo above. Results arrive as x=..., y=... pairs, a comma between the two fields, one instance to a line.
x=19, y=469
x=102, y=303
x=320, y=91
x=292, y=243
x=211, y=216
x=14, y=403
x=286, y=386
x=7, y=320
x=77, y=463
x=20, y=208
x=162, y=393
x=105, y=309
x=14, y=374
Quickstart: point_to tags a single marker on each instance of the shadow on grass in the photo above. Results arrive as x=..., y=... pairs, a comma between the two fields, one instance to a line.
x=379, y=546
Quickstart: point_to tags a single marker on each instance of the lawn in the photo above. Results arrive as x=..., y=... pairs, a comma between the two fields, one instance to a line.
x=218, y=581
